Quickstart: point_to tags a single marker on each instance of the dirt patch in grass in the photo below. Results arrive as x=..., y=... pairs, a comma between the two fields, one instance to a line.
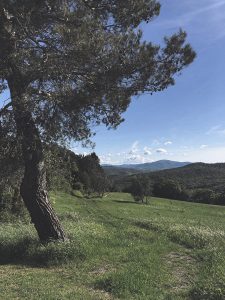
x=101, y=294
x=102, y=270
x=182, y=268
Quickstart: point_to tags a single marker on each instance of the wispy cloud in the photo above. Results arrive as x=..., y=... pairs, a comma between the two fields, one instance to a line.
x=216, y=130
x=147, y=151
x=203, y=19
x=196, y=9
x=137, y=159
x=134, y=148
x=161, y=151
x=168, y=143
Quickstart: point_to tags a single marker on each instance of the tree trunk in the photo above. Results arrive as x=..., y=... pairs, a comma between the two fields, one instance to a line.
x=33, y=188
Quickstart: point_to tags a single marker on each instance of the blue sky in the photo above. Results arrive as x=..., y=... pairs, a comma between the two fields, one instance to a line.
x=187, y=121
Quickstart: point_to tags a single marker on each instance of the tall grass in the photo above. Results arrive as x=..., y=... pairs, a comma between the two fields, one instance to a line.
x=117, y=250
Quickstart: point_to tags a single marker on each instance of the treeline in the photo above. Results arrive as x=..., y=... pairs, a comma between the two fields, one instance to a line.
x=173, y=190
x=202, y=183
x=81, y=175
x=67, y=170
x=141, y=187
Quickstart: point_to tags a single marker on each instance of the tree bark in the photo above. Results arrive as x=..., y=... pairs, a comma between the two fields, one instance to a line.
x=33, y=188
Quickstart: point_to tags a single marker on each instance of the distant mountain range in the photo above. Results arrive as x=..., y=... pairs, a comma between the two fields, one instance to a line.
x=191, y=176
x=129, y=169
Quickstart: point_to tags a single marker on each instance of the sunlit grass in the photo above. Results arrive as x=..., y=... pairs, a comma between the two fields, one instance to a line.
x=118, y=249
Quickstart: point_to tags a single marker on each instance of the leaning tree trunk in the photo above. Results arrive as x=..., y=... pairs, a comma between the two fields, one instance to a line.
x=33, y=188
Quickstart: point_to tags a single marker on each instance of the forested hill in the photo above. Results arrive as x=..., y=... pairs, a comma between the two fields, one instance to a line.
x=190, y=177
x=197, y=182
x=196, y=175
x=129, y=169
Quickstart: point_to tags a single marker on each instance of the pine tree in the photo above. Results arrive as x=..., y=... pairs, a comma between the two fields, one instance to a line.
x=69, y=65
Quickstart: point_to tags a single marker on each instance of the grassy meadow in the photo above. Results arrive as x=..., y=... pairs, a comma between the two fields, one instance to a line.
x=118, y=249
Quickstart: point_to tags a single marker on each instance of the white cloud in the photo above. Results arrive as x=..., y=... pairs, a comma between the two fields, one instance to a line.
x=216, y=130
x=105, y=159
x=134, y=158
x=74, y=149
x=134, y=148
x=138, y=159
x=168, y=143
x=200, y=153
x=147, y=151
x=161, y=151
x=85, y=153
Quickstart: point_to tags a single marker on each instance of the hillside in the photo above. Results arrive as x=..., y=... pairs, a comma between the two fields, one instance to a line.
x=119, y=171
x=192, y=176
x=128, y=169
x=196, y=175
x=118, y=250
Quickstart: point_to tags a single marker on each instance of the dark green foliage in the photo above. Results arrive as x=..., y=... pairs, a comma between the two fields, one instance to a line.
x=61, y=166
x=208, y=196
x=69, y=65
x=80, y=62
x=169, y=189
x=203, y=196
x=196, y=182
x=65, y=171
x=11, y=205
x=100, y=184
x=92, y=175
x=194, y=176
x=78, y=186
x=219, y=198
x=140, y=189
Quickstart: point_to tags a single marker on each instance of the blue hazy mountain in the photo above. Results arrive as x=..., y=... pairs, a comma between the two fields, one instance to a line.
x=146, y=167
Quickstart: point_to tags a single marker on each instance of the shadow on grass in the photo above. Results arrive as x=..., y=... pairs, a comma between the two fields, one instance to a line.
x=125, y=202
x=30, y=252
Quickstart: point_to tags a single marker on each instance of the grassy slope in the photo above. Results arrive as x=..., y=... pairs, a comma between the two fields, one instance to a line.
x=118, y=250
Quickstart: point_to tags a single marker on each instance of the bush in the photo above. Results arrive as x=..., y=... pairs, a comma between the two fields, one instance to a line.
x=77, y=193
x=140, y=189
x=12, y=206
x=78, y=186
x=219, y=198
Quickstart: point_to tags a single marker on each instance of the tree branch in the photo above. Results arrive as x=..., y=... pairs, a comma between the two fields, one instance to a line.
x=5, y=108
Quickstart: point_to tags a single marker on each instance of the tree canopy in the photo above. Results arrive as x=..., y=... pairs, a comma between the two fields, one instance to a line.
x=81, y=61
x=69, y=65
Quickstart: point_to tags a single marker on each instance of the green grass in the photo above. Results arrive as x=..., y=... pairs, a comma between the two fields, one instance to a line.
x=118, y=249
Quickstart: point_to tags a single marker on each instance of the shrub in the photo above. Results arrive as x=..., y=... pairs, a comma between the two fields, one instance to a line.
x=78, y=186
x=140, y=189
